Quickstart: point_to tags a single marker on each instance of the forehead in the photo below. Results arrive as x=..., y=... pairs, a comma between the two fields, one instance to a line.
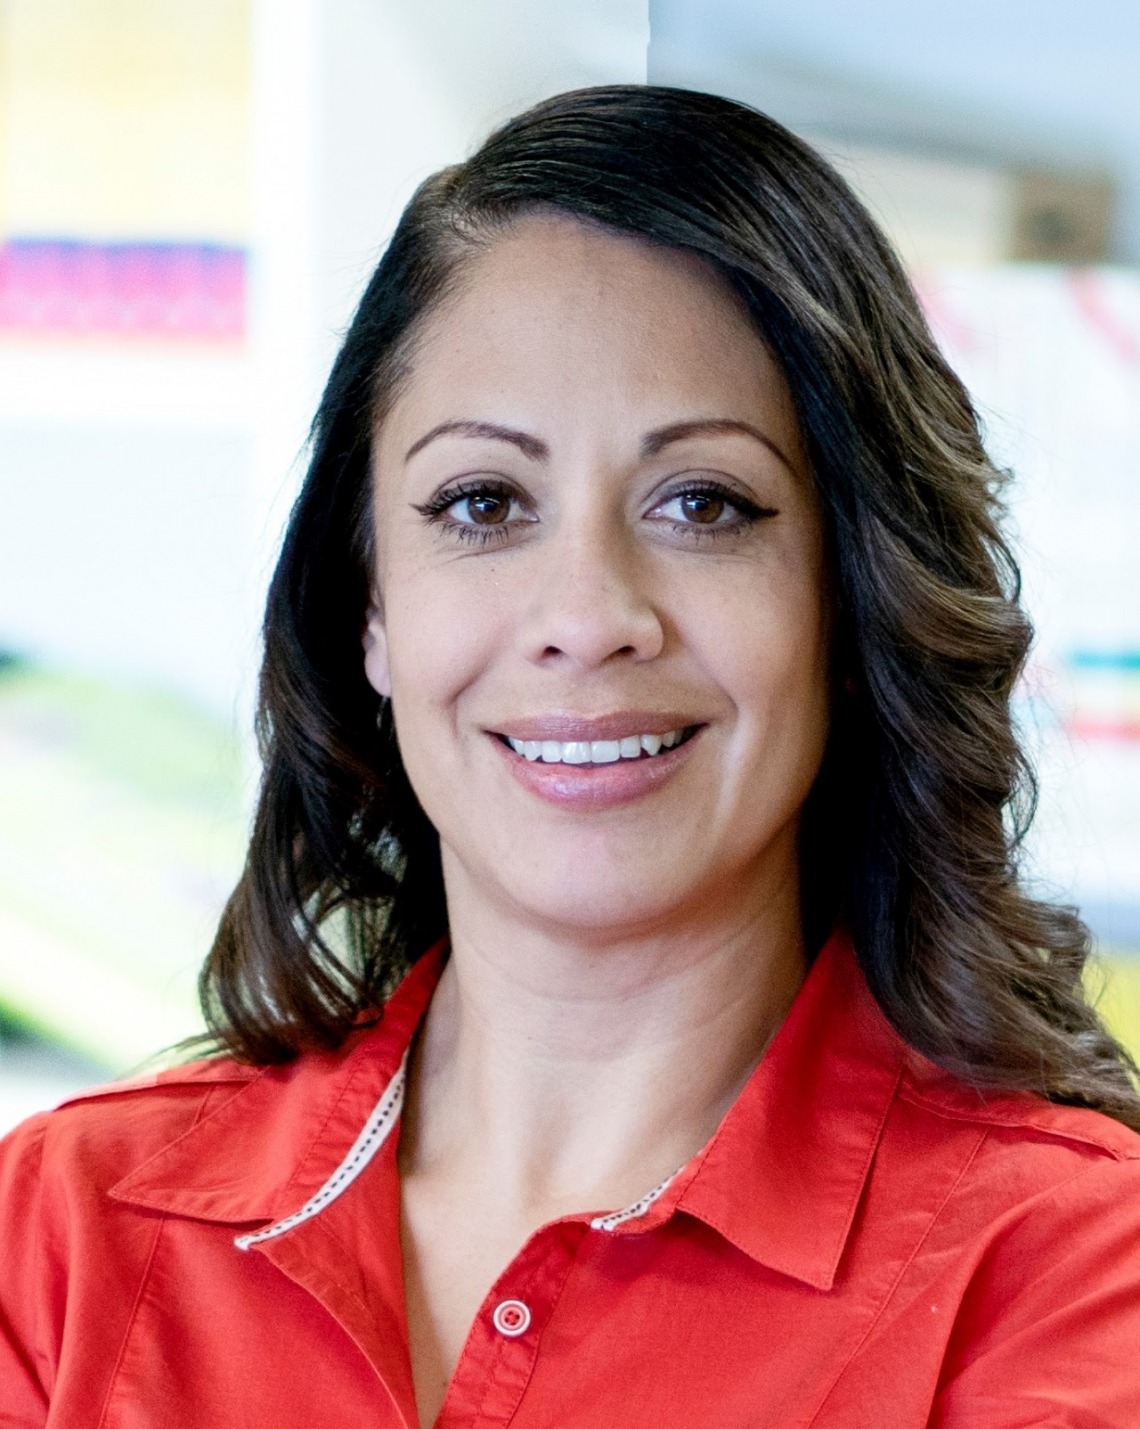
x=563, y=263
x=555, y=311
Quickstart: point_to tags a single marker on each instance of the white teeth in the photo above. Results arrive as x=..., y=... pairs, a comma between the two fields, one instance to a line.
x=597, y=751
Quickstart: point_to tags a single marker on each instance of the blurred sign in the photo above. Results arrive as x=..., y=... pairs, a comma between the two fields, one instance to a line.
x=70, y=287
x=124, y=169
x=1061, y=217
x=941, y=210
x=1052, y=356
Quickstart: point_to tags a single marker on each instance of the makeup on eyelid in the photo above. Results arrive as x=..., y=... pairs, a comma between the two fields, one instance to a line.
x=719, y=496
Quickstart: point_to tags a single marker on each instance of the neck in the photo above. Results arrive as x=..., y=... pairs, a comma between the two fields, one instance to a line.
x=572, y=1072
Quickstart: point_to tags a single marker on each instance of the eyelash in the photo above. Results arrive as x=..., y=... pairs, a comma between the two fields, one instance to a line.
x=435, y=511
x=748, y=513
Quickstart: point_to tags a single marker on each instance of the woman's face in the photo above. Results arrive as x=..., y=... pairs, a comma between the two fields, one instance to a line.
x=597, y=534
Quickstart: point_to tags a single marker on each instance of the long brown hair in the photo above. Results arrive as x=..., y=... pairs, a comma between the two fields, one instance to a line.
x=913, y=828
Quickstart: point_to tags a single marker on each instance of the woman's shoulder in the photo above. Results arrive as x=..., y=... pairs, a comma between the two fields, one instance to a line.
x=216, y=1109
x=993, y=1149
x=1021, y=1116
x=86, y=1146
x=104, y=1131
x=1023, y=1156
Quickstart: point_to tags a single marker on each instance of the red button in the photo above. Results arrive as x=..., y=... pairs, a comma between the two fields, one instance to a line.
x=511, y=1318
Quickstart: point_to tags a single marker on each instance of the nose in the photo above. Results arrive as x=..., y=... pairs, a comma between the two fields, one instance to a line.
x=591, y=604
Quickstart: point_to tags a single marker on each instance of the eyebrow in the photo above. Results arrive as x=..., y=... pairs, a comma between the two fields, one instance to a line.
x=651, y=444
x=530, y=446
x=657, y=440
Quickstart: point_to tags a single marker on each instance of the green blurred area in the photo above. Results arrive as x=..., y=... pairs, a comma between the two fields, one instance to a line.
x=122, y=830
x=1114, y=982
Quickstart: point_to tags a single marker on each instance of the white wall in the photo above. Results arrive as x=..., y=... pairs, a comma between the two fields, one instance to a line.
x=1032, y=78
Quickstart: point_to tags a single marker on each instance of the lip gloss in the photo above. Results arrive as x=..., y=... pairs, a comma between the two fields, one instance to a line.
x=595, y=786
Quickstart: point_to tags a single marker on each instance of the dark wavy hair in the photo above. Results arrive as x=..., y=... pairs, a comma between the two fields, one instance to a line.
x=912, y=830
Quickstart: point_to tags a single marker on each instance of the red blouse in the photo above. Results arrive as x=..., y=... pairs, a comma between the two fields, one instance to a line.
x=864, y=1242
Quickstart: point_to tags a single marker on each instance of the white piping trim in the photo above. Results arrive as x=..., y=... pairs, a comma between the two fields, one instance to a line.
x=375, y=1132
x=639, y=1208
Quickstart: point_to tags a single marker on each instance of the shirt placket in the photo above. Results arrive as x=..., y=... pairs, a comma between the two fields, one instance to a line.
x=499, y=1354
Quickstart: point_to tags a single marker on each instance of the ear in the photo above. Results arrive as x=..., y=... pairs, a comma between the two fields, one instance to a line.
x=376, y=653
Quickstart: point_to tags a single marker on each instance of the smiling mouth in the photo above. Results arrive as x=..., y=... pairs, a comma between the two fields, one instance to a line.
x=599, y=751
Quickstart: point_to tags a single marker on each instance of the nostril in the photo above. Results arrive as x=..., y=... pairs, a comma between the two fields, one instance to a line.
x=557, y=651
x=590, y=631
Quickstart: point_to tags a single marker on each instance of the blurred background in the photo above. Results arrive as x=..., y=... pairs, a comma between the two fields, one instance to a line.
x=191, y=198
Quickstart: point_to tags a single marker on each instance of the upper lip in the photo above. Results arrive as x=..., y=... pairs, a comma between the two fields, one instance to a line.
x=568, y=728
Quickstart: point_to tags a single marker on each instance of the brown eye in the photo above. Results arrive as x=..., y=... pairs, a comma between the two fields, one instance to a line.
x=488, y=509
x=704, y=507
x=478, y=510
x=707, y=510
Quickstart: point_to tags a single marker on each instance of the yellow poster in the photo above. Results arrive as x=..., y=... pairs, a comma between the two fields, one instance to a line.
x=124, y=167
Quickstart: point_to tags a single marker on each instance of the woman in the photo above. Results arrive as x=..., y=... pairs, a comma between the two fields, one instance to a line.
x=749, y=1086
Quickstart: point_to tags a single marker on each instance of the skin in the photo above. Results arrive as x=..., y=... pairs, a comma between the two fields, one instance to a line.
x=617, y=969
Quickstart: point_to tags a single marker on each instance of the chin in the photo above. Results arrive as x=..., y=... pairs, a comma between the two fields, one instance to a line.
x=599, y=907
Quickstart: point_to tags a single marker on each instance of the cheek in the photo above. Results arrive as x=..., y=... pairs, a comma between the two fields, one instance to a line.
x=770, y=654
x=441, y=636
